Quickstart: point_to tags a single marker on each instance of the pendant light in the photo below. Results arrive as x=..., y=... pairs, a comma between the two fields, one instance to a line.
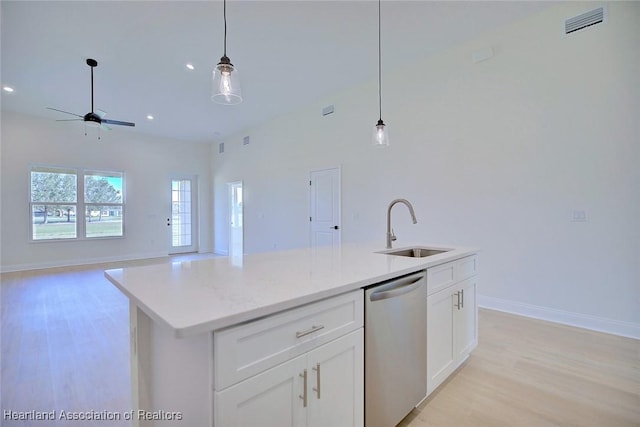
x=226, y=83
x=380, y=132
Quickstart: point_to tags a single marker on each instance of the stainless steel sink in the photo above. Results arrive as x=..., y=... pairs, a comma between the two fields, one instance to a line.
x=415, y=252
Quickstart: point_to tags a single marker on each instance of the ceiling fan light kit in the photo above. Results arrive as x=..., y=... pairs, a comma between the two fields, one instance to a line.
x=93, y=118
x=226, y=82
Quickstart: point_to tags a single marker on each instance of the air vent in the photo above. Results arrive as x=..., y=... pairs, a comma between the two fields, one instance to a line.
x=587, y=19
x=327, y=110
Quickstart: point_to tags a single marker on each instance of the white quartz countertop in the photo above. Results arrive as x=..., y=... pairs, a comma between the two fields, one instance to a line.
x=200, y=296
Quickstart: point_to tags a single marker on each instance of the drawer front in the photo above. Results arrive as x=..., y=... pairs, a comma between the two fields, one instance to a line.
x=466, y=267
x=440, y=276
x=245, y=350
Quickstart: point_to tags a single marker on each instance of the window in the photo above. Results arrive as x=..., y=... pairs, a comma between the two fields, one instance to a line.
x=103, y=204
x=75, y=204
x=54, y=203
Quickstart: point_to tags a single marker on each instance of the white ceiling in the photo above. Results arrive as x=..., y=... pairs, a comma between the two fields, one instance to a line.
x=288, y=53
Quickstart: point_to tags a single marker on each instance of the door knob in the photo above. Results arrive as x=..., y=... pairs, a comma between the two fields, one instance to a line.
x=335, y=227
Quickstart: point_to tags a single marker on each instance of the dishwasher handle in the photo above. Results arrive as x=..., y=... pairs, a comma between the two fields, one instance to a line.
x=397, y=287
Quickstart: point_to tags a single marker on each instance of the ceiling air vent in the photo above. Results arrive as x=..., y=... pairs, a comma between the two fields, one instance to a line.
x=585, y=20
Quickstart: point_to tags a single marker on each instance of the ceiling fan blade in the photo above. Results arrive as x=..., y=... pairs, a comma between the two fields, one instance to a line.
x=104, y=127
x=69, y=120
x=66, y=112
x=117, y=122
x=101, y=114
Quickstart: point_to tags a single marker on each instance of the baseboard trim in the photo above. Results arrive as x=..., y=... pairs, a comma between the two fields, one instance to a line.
x=77, y=262
x=594, y=323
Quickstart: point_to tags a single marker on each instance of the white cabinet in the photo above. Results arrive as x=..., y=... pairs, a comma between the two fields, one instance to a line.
x=253, y=374
x=337, y=383
x=302, y=367
x=323, y=387
x=452, y=314
x=248, y=349
x=465, y=319
x=440, y=353
x=267, y=399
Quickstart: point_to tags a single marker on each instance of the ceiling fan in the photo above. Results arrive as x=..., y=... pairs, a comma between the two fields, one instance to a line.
x=97, y=117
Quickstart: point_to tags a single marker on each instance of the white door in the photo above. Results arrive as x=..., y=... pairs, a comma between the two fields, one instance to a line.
x=324, y=201
x=274, y=398
x=236, y=236
x=182, y=220
x=336, y=384
x=440, y=330
x=465, y=322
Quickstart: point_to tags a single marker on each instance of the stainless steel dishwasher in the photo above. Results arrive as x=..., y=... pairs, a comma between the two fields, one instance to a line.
x=395, y=348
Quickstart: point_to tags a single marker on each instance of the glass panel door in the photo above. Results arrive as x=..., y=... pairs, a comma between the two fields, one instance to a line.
x=182, y=220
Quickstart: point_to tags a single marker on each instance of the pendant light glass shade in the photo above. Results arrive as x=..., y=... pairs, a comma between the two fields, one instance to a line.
x=381, y=135
x=226, y=83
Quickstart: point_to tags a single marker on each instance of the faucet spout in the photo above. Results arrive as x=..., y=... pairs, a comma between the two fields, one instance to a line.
x=390, y=236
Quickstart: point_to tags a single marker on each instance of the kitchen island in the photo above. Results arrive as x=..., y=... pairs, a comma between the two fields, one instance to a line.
x=210, y=337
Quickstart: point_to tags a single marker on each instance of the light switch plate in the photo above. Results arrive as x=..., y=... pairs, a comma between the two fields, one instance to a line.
x=578, y=215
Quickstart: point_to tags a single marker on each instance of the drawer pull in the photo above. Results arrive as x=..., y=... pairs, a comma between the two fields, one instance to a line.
x=311, y=330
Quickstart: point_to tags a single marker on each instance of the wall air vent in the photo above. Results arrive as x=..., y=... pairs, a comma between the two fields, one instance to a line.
x=587, y=19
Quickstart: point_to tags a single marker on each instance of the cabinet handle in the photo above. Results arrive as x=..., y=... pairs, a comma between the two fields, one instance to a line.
x=462, y=293
x=457, y=305
x=304, y=391
x=311, y=330
x=317, y=389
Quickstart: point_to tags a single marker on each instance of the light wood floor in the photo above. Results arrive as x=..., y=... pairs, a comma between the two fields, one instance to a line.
x=527, y=372
x=65, y=347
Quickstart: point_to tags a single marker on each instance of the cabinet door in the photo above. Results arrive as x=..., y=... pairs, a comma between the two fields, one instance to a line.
x=336, y=384
x=466, y=319
x=273, y=398
x=440, y=350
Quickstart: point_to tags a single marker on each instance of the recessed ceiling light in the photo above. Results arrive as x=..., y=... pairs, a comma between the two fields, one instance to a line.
x=190, y=66
x=7, y=89
x=149, y=117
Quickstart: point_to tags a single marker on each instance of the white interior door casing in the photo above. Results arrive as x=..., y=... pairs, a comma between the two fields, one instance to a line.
x=325, y=207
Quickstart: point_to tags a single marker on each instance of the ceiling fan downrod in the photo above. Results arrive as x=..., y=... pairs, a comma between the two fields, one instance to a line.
x=92, y=63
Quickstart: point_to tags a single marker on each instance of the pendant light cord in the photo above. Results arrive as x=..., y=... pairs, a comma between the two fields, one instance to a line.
x=379, y=62
x=224, y=14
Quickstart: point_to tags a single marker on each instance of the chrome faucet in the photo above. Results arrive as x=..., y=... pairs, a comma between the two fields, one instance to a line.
x=390, y=236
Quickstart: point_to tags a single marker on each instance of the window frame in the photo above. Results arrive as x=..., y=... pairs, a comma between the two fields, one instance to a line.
x=81, y=204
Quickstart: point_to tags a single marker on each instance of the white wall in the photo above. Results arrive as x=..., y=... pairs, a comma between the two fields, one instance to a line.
x=494, y=155
x=147, y=162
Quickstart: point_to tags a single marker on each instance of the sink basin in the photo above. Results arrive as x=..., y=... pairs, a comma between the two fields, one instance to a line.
x=415, y=252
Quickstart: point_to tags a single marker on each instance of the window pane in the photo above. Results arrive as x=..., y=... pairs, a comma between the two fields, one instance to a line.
x=102, y=188
x=53, y=187
x=53, y=222
x=103, y=221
